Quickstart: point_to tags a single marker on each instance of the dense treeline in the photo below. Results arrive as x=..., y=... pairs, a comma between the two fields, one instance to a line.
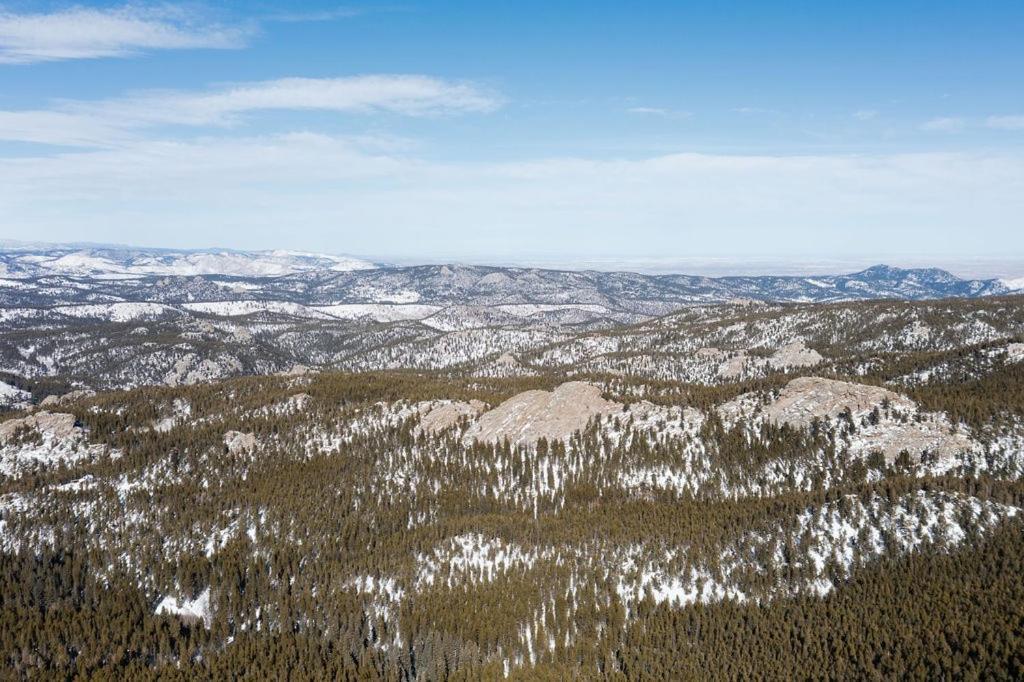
x=926, y=616
x=330, y=548
x=953, y=615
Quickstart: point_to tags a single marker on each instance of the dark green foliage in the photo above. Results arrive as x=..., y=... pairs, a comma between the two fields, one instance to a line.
x=327, y=502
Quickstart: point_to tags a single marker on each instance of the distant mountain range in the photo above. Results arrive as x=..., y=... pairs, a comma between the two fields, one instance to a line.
x=116, y=273
x=74, y=260
x=118, y=316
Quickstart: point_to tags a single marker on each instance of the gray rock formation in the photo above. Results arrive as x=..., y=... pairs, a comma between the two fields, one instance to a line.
x=57, y=425
x=532, y=415
x=444, y=415
x=805, y=398
x=795, y=354
x=238, y=442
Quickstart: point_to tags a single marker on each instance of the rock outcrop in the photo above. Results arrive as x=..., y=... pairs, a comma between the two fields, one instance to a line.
x=805, y=398
x=56, y=425
x=532, y=415
x=933, y=436
x=445, y=414
x=1015, y=352
x=238, y=443
x=795, y=354
x=55, y=400
x=901, y=427
x=733, y=367
x=791, y=355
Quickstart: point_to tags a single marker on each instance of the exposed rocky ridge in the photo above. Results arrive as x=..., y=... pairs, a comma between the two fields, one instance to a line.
x=67, y=398
x=1015, y=352
x=56, y=425
x=879, y=420
x=444, y=415
x=552, y=415
x=806, y=398
x=527, y=417
x=795, y=354
x=735, y=365
x=237, y=442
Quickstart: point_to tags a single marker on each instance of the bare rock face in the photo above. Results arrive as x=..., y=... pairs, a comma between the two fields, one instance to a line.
x=54, y=400
x=805, y=398
x=56, y=425
x=505, y=365
x=443, y=415
x=298, y=402
x=934, y=436
x=238, y=442
x=795, y=355
x=532, y=415
x=733, y=367
x=192, y=369
x=1015, y=352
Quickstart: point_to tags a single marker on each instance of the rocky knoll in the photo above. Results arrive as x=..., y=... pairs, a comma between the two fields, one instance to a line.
x=897, y=426
x=795, y=354
x=532, y=415
x=805, y=398
x=42, y=439
x=56, y=425
x=791, y=355
x=1015, y=352
x=55, y=400
x=445, y=414
x=237, y=442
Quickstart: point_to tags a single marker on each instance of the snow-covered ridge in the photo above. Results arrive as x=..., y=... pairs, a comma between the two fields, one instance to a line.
x=113, y=262
x=1015, y=284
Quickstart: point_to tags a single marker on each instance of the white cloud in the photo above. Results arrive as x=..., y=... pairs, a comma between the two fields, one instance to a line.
x=659, y=111
x=945, y=124
x=865, y=114
x=1005, y=122
x=88, y=33
x=345, y=195
x=404, y=94
x=315, y=16
x=58, y=128
x=112, y=121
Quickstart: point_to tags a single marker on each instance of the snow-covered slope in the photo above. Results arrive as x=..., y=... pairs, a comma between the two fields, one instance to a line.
x=117, y=262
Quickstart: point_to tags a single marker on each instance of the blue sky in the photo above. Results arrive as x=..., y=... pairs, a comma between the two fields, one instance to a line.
x=519, y=131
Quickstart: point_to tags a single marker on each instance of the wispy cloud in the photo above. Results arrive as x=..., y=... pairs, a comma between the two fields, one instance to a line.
x=945, y=124
x=84, y=123
x=753, y=110
x=89, y=33
x=865, y=114
x=659, y=111
x=320, y=15
x=1005, y=122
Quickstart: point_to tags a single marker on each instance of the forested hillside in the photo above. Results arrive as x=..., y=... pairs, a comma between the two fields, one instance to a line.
x=849, y=510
